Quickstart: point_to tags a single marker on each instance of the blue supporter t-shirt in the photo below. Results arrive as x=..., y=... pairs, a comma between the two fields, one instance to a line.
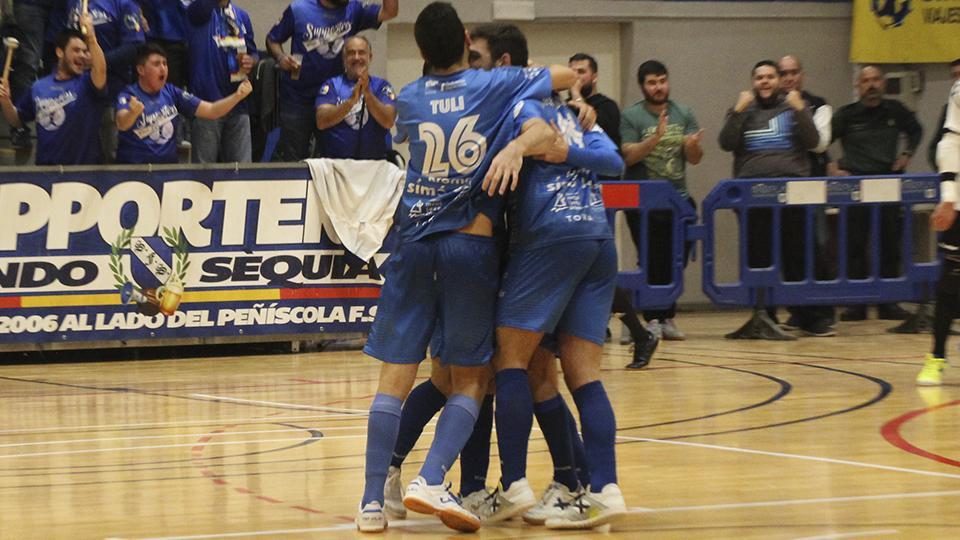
x=456, y=124
x=318, y=33
x=355, y=137
x=151, y=139
x=559, y=202
x=217, y=36
x=68, y=119
x=117, y=23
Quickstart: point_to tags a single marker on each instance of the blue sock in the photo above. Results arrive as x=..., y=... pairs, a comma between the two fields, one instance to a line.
x=552, y=417
x=423, y=402
x=599, y=433
x=475, y=457
x=382, y=426
x=453, y=429
x=580, y=464
x=514, y=414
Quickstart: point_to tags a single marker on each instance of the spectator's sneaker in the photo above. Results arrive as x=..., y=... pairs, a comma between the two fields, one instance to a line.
x=370, y=518
x=654, y=328
x=500, y=505
x=20, y=138
x=643, y=353
x=854, y=313
x=393, y=495
x=819, y=328
x=932, y=372
x=892, y=312
x=792, y=324
x=588, y=510
x=437, y=500
x=670, y=331
x=552, y=504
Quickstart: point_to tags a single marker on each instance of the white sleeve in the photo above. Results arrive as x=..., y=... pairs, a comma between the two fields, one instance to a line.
x=821, y=119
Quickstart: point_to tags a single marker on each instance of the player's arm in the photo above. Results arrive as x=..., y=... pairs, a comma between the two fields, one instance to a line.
x=389, y=10
x=9, y=109
x=211, y=111
x=98, y=61
x=599, y=156
x=562, y=77
x=536, y=137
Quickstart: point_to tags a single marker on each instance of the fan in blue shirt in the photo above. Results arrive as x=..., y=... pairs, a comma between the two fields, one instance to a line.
x=67, y=104
x=355, y=111
x=148, y=111
x=317, y=30
x=119, y=31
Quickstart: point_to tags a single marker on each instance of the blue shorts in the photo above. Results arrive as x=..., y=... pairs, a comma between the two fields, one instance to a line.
x=443, y=285
x=563, y=288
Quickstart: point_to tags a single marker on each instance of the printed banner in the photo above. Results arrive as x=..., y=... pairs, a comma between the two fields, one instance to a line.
x=905, y=31
x=135, y=255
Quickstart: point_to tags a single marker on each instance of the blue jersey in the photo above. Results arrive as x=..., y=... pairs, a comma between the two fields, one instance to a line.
x=68, y=119
x=456, y=124
x=117, y=23
x=355, y=137
x=318, y=34
x=217, y=36
x=151, y=139
x=559, y=202
x=167, y=19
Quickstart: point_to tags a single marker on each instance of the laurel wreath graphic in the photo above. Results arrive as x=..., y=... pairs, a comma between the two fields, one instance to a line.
x=172, y=237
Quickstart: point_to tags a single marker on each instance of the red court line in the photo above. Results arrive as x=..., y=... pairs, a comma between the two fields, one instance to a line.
x=891, y=432
x=330, y=292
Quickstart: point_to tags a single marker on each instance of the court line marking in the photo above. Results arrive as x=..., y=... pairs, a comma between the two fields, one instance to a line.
x=214, y=422
x=794, y=456
x=290, y=405
x=884, y=532
x=792, y=502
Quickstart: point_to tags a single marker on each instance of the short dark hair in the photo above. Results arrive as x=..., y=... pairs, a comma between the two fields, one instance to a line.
x=579, y=57
x=650, y=67
x=504, y=39
x=64, y=37
x=440, y=35
x=762, y=63
x=146, y=51
x=955, y=63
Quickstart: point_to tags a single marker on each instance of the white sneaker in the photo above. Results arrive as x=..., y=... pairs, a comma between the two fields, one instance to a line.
x=588, y=510
x=499, y=505
x=370, y=518
x=551, y=504
x=476, y=503
x=670, y=331
x=437, y=500
x=393, y=495
x=655, y=328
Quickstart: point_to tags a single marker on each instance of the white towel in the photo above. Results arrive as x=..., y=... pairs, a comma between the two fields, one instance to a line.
x=360, y=197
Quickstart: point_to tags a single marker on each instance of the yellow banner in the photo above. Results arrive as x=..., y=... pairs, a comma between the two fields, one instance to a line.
x=905, y=31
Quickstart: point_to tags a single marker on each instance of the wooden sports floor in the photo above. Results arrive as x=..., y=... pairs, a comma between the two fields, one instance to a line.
x=819, y=438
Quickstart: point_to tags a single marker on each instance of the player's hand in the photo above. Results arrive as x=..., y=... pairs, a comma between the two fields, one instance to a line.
x=744, y=101
x=504, y=171
x=246, y=63
x=586, y=115
x=559, y=149
x=692, y=141
x=287, y=63
x=136, y=106
x=244, y=89
x=575, y=94
x=943, y=216
x=795, y=100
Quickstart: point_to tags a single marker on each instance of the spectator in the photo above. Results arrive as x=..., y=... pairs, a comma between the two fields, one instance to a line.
x=769, y=133
x=869, y=131
x=28, y=26
x=148, y=110
x=222, y=53
x=67, y=105
x=346, y=103
x=659, y=137
x=792, y=77
x=119, y=32
x=165, y=23
x=608, y=113
x=318, y=29
x=932, y=149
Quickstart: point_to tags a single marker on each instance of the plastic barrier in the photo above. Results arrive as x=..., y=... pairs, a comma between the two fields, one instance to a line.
x=869, y=197
x=650, y=196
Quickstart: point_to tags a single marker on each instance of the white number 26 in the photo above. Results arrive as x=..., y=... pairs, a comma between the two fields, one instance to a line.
x=465, y=150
